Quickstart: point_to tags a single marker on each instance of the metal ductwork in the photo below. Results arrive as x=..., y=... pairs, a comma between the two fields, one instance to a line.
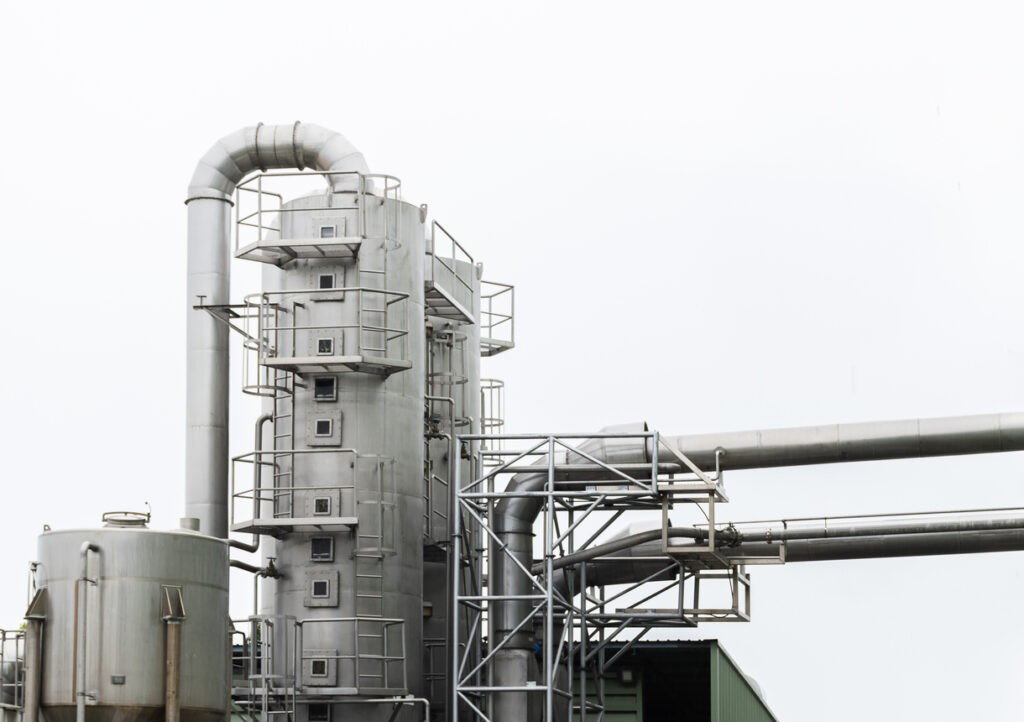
x=869, y=441
x=960, y=535
x=883, y=545
x=797, y=446
x=234, y=156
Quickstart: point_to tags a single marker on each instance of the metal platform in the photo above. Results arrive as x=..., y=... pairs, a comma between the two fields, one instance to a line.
x=338, y=364
x=282, y=252
x=440, y=302
x=494, y=346
x=285, y=525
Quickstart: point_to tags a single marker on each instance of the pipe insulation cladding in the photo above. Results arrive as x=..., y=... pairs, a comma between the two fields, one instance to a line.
x=868, y=441
x=209, y=202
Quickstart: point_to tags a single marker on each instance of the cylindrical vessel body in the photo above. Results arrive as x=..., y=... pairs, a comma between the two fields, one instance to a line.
x=348, y=447
x=134, y=574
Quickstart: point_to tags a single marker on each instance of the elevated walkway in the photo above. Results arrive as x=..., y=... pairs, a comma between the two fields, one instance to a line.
x=284, y=251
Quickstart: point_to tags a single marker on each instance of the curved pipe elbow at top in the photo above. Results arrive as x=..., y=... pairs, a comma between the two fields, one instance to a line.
x=519, y=513
x=262, y=147
x=218, y=173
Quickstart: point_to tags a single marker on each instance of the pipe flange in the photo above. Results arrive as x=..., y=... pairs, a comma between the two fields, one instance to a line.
x=295, y=146
x=256, y=146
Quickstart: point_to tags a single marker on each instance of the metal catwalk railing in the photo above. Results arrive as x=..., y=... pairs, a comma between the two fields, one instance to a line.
x=12, y=670
x=259, y=207
x=274, y=670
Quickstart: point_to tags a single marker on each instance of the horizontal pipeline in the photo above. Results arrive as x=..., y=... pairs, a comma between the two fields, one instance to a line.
x=734, y=544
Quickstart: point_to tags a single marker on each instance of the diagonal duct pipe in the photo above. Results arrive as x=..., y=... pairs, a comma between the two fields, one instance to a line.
x=797, y=446
x=209, y=202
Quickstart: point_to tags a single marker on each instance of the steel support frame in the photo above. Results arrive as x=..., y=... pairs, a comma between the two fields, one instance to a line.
x=576, y=635
x=15, y=657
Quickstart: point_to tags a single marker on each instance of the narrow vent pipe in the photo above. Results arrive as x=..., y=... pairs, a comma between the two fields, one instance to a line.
x=229, y=161
x=82, y=628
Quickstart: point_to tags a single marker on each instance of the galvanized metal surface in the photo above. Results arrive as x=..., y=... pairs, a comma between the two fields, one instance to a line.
x=124, y=659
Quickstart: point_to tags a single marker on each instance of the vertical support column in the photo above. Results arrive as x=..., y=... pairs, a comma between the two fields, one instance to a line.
x=549, y=612
x=172, y=671
x=454, y=574
x=584, y=631
x=172, y=614
x=33, y=667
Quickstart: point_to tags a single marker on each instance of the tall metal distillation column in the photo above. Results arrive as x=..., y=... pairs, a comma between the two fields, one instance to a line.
x=336, y=346
x=346, y=355
x=350, y=489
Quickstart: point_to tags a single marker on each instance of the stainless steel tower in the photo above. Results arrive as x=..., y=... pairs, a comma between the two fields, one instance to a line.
x=365, y=343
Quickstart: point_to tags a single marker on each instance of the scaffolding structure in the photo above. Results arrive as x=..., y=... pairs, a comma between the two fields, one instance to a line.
x=576, y=619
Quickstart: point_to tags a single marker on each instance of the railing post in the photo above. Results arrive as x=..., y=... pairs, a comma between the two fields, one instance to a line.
x=259, y=207
x=549, y=615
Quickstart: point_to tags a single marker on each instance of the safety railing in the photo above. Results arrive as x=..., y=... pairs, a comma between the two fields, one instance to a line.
x=12, y=669
x=271, y=493
x=451, y=265
x=435, y=504
x=376, y=663
x=492, y=418
x=241, y=668
x=587, y=597
x=266, y=660
x=260, y=205
x=571, y=485
x=277, y=333
x=497, y=317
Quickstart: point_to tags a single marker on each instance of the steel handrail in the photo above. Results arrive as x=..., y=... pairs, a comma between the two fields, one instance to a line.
x=391, y=191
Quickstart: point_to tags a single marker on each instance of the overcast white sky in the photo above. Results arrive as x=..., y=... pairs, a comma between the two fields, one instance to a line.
x=717, y=216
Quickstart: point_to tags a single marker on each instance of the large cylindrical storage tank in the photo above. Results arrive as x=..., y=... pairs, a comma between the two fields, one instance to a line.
x=138, y=581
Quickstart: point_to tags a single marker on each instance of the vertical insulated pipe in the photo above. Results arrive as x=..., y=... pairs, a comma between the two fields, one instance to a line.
x=217, y=174
x=83, y=635
x=172, y=671
x=33, y=668
x=206, y=440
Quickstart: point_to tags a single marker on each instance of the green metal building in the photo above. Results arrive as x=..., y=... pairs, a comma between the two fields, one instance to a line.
x=680, y=682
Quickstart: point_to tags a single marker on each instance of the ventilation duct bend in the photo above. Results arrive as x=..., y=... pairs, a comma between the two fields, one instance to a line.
x=231, y=159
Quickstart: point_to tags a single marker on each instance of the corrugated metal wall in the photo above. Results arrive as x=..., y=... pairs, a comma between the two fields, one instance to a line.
x=622, y=703
x=681, y=681
x=732, y=697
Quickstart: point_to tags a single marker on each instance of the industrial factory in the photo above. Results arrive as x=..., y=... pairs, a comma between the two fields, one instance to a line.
x=416, y=560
